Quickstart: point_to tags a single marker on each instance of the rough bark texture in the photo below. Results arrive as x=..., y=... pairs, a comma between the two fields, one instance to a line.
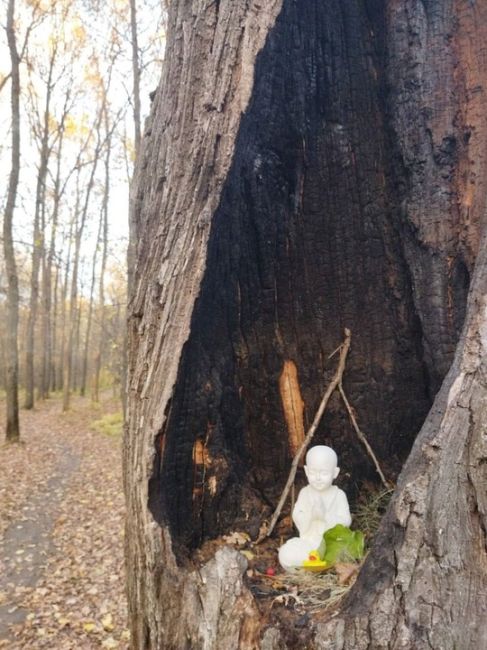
x=351, y=193
x=424, y=582
x=211, y=54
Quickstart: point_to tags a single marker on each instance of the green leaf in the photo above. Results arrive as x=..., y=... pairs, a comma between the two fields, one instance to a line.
x=342, y=545
x=322, y=549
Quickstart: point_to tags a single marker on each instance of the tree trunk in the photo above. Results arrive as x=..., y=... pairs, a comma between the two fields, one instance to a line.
x=64, y=298
x=84, y=371
x=137, y=125
x=69, y=329
x=101, y=286
x=48, y=325
x=11, y=355
x=69, y=375
x=77, y=360
x=38, y=252
x=49, y=295
x=308, y=168
x=55, y=381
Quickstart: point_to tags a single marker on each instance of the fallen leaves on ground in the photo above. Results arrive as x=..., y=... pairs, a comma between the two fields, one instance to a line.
x=79, y=601
x=27, y=466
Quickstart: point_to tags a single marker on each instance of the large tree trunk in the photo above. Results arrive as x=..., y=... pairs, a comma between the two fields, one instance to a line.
x=309, y=167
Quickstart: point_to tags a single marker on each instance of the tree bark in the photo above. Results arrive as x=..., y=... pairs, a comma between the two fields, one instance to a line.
x=76, y=352
x=69, y=375
x=54, y=379
x=137, y=126
x=305, y=169
x=11, y=354
x=84, y=371
x=38, y=246
x=101, y=285
x=423, y=582
x=64, y=295
x=49, y=295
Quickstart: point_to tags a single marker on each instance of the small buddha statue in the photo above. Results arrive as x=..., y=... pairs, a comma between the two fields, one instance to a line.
x=319, y=507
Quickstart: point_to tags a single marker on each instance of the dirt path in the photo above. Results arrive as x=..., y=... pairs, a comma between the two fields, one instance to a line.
x=27, y=542
x=61, y=541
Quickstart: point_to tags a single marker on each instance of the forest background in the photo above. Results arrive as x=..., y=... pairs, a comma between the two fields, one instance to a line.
x=75, y=84
x=85, y=71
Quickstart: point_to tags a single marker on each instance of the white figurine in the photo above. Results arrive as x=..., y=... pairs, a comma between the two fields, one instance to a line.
x=319, y=507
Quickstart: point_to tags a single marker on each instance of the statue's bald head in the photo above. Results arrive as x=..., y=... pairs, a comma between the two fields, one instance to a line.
x=321, y=467
x=321, y=456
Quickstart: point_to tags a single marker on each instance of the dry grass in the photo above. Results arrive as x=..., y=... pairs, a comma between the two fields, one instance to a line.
x=368, y=514
x=316, y=592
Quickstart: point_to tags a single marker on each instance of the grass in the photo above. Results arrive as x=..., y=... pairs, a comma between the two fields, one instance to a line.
x=369, y=512
x=110, y=424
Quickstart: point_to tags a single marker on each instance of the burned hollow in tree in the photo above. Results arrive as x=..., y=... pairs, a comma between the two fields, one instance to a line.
x=330, y=217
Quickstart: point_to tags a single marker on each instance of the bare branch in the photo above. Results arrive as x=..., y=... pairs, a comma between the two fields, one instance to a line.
x=334, y=383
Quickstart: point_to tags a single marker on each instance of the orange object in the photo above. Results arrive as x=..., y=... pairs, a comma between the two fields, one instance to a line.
x=313, y=563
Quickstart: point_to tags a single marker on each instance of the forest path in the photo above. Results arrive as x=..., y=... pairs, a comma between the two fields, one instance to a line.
x=61, y=531
x=27, y=542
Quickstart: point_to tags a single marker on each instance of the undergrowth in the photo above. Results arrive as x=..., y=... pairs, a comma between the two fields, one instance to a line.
x=110, y=424
x=369, y=512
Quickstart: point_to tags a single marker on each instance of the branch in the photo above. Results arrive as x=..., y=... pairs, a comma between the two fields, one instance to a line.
x=362, y=437
x=4, y=80
x=336, y=381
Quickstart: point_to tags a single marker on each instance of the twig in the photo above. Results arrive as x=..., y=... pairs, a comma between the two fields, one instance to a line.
x=336, y=381
x=362, y=437
x=335, y=351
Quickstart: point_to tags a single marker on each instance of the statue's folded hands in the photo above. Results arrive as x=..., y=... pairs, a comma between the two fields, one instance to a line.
x=319, y=507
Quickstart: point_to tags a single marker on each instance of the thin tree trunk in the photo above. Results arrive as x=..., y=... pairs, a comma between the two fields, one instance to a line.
x=133, y=238
x=64, y=294
x=101, y=286
x=69, y=377
x=48, y=325
x=63, y=355
x=46, y=329
x=41, y=361
x=137, y=128
x=31, y=315
x=135, y=74
x=38, y=253
x=11, y=356
x=53, y=378
x=77, y=362
x=84, y=372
